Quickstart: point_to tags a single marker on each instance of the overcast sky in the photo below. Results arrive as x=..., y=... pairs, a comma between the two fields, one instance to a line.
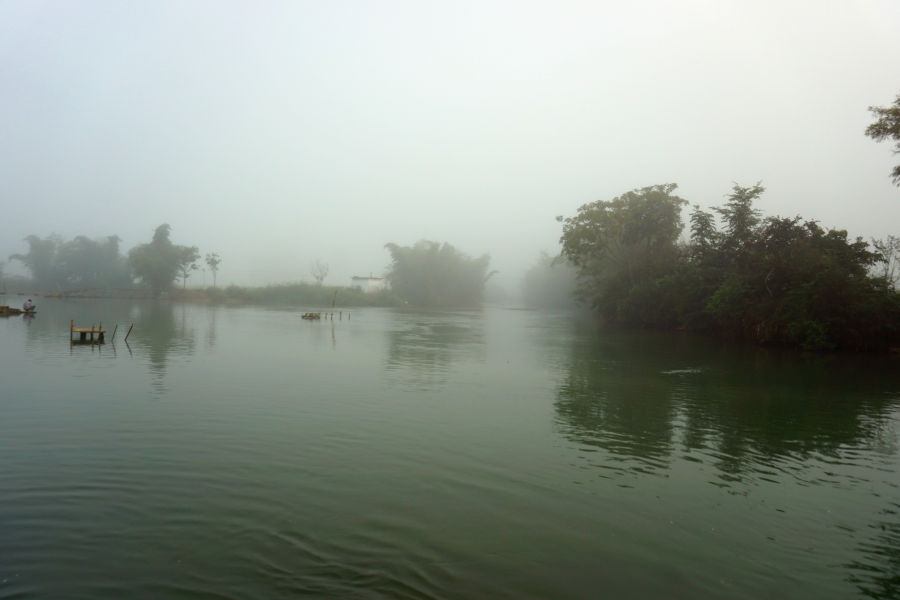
x=275, y=133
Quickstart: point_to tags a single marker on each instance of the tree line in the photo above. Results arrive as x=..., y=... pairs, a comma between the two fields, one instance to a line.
x=428, y=273
x=98, y=263
x=767, y=279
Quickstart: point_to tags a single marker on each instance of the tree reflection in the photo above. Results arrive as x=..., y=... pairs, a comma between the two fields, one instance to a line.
x=163, y=330
x=877, y=573
x=422, y=350
x=641, y=396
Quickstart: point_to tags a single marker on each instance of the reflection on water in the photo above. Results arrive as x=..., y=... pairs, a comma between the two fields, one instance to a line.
x=877, y=572
x=424, y=348
x=163, y=329
x=477, y=454
x=736, y=407
x=745, y=417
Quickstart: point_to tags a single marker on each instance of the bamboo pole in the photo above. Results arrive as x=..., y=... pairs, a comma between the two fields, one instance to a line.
x=115, y=329
x=129, y=332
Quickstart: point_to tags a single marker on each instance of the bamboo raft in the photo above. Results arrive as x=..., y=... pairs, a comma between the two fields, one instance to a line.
x=6, y=311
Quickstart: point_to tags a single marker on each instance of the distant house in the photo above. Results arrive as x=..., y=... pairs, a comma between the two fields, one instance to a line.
x=367, y=284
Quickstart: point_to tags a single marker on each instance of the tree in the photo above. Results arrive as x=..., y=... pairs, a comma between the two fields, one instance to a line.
x=40, y=258
x=87, y=263
x=318, y=271
x=187, y=257
x=156, y=264
x=766, y=279
x=889, y=249
x=617, y=244
x=887, y=127
x=81, y=262
x=704, y=235
x=213, y=260
x=740, y=217
x=434, y=274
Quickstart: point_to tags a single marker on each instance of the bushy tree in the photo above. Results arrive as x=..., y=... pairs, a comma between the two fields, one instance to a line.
x=40, y=260
x=156, y=264
x=90, y=263
x=773, y=279
x=621, y=244
x=800, y=284
x=434, y=274
x=81, y=262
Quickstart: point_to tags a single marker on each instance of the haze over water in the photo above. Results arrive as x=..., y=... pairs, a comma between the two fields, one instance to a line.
x=240, y=452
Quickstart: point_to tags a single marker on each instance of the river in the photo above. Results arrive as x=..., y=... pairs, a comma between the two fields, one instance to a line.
x=241, y=452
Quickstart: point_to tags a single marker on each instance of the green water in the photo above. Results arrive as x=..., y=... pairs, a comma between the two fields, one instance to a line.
x=240, y=452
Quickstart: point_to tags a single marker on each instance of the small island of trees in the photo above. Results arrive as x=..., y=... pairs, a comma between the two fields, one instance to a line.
x=779, y=280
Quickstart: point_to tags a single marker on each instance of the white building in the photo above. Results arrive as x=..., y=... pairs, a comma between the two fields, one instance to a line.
x=367, y=284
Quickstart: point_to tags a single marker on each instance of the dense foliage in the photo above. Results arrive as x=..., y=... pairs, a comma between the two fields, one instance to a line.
x=434, y=274
x=772, y=279
x=79, y=263
x=160, y=262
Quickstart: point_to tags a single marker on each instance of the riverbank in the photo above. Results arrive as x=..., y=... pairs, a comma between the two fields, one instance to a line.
x=285, y=294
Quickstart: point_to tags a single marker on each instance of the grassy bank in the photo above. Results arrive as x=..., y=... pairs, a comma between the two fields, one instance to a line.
x=295, y=294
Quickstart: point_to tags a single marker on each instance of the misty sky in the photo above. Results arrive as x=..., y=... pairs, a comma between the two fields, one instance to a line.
x=276, y=133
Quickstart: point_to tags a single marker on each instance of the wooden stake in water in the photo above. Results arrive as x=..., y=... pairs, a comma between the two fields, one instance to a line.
x=129, y=332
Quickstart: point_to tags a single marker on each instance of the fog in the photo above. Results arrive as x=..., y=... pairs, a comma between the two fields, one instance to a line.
x=278, y=133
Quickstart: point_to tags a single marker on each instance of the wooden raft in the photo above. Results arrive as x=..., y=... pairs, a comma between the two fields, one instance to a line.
x=84, y=331
x=9, y=310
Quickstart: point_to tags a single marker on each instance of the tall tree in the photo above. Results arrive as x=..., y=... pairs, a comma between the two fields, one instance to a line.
x=213, y=261
x=319, y=271
x=187, y=258
x=887, y=127
x=156, y=264
x=741, y=218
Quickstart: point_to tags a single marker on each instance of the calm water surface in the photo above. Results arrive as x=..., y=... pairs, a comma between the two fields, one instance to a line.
x=244, y=453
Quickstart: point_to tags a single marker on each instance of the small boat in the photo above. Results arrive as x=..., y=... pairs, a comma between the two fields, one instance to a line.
x=310, y=315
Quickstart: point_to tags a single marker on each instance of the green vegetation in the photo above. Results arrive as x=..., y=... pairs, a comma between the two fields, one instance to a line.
x=434, y=274
x=887, y=127
x=769, y=280
x=160, y=262
x=213, y=261
x=304, y=294
x=79, y=263
x=187, y=262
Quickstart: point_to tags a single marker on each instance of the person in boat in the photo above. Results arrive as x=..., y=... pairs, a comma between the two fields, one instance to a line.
x=28, y=306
